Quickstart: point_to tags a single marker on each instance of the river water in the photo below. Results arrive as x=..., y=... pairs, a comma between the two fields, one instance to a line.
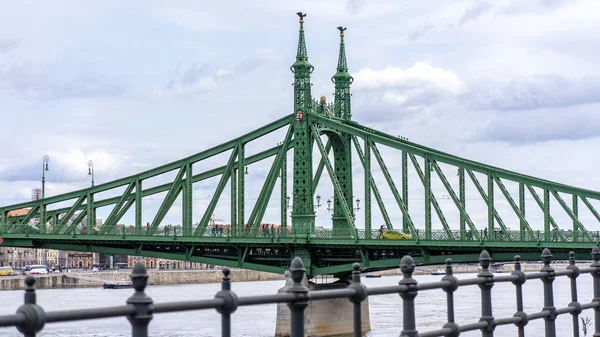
x=386, y=310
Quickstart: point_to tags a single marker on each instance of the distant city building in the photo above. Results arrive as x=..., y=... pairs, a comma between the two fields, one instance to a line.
x=17, y=257
x=84, y=260
x=155, y=263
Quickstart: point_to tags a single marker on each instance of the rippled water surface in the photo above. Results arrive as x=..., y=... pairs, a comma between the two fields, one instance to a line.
x=386, y=310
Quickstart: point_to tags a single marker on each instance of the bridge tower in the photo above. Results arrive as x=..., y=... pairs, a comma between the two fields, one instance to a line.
x=303, y=215
x=341, y=143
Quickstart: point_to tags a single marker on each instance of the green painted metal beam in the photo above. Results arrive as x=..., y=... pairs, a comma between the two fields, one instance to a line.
x=374, y=188
x=110, y=220
x=490, y=204
x=258, y=211
x=168, y=201
x=73, y=226
x=463, y=203
x=459, y=203
x=428, y=196
x=336, y=184
x=401, y=203
x=368, y=178
x=550, y=219
x=425, y=177
x=283, y=191
x=519, y=211
x=69, y=214
x=187, y=202
x=321, y=166
x=217, y=195
x=485, y=198
x=358, y=130
x=522, y=210
x=573, y=217
x=241, y=187
x=271, y=127
x=405, y=219
x=576, y=213
x=138, y=205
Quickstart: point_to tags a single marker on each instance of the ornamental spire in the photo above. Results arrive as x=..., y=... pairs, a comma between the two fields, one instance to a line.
x=342, y=65
x=302, y=70
x=342, y=80
x=302, y=55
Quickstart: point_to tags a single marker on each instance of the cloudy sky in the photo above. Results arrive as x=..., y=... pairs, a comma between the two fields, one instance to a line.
x=134, y=85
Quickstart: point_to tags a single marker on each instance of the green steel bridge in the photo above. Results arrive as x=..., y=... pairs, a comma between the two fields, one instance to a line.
x=320, y=140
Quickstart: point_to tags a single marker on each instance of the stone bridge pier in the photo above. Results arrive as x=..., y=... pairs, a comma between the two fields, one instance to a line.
x=333, y=317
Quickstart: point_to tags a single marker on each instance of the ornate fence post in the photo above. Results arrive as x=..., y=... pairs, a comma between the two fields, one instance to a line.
x=297, y=307
x=230, y=305
x=596, y=276
x=361, y=295
x=407, y=266
x=574, y=303
x=550, y=326
x=35, y=317
x=519, y=289
x=142, y=303
x=486, y=294
x=450, y=289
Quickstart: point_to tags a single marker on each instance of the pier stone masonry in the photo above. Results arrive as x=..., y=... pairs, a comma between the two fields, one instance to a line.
x=331, y=317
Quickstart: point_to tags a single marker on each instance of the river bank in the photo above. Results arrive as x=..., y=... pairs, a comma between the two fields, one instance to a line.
x=170, y=277
x=157, y=277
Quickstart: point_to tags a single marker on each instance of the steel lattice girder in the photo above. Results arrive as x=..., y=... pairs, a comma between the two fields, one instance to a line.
x=495, y=177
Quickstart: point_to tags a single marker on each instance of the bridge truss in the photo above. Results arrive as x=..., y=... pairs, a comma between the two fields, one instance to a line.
x=68, y=221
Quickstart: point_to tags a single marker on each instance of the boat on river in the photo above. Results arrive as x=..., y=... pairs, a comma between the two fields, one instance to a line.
x=118, y=285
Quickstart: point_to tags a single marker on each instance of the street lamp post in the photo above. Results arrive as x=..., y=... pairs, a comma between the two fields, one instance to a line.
x=91, y=170
x=330, y=209
x=45, y=161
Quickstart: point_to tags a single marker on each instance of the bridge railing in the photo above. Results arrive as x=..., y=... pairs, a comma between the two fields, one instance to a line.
x=139, y=309
x=359, y=234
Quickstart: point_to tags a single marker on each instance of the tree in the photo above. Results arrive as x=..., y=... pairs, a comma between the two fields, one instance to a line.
x=586, y=322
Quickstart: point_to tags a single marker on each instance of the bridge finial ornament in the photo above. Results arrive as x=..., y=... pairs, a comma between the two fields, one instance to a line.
x=302, y=16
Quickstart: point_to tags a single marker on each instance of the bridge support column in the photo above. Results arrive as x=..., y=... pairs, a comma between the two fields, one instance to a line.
x=332, y=317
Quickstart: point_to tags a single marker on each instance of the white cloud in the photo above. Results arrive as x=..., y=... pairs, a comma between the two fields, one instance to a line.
x=510, y=86
x=419, y=75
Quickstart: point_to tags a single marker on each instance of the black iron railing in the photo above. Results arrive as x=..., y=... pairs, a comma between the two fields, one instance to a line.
x=139, y=309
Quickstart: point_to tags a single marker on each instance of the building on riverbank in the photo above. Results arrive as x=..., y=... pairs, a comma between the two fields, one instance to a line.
x=155, y=263
x=82, y=259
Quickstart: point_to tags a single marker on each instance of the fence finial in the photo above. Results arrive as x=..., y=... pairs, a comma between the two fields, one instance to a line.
x=297, y=270
x=596, y=256
x=546, y=258
x=142, y=302
x=484, y=261
x=407, y=266
x=300, y=291
x=448, y=267
x=35, y=317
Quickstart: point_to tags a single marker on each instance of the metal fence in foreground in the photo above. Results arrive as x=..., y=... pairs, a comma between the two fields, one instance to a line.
x=139, y=308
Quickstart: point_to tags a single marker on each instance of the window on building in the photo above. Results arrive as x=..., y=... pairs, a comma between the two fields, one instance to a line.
x=80, y=264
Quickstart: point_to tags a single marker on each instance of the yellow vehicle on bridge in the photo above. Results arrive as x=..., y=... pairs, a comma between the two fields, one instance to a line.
x=393, y=234
x=6, y=271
